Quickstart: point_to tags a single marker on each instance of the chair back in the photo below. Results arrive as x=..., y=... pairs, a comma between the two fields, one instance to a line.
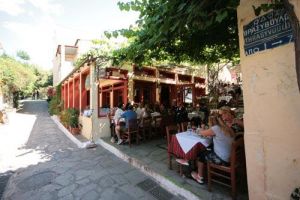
x=132, y=125
x=146, y=122
x=171, y=130
x=184, y=125
x=157, y=121
x=237, y=151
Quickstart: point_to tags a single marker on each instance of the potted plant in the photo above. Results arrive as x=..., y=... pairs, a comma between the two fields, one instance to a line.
x=74, y=121
x=65, y=118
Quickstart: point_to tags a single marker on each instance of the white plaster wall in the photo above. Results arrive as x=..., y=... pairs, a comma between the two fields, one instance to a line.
x=272, y=113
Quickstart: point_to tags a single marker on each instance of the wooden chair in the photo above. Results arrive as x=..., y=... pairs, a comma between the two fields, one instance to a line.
x=157, y=121
x=146, y=127
x=227, y=175
x=131, y=131
x=183, y=126
x=171, y=130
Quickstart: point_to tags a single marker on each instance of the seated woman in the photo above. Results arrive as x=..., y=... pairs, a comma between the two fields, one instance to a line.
x=222, y=140
x=228, y=116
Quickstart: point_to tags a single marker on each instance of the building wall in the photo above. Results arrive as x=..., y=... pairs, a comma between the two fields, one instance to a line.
x=272, y=113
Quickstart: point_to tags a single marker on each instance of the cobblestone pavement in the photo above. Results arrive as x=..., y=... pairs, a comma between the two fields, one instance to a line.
x=47, y=165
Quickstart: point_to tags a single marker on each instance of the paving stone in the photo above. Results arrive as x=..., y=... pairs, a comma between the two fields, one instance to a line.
x=84, y=181
x=135, y=176
x=116, y=194
x=80, y=174
x=91, y=195
x=98, y=175
x=67, y=197
x=84, y=189
x=51, y=188
x=67, y=190
x=64, y=179
x=133, y=191
x=119, y=179
x=106, y=181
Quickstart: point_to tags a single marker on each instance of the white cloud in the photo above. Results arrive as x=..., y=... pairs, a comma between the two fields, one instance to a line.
x=39, y=42
x=47, y=7
x=12, y=7
x=17, y=7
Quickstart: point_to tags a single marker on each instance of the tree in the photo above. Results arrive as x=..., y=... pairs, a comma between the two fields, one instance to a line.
x=20, y=78
x=197, y=31
x=23, y=55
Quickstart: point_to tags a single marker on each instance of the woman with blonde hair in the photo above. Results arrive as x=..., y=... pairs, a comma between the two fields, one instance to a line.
x=228, y=116
x=222, y=139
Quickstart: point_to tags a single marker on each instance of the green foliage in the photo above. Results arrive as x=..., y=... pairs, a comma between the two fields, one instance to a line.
x=69, y=117
x=273, y=4
x=196, y=31
x=55, y=105
x=23, y=55
x=65, y=117
x=58, y=91
x=74, y=115
x=16, y=76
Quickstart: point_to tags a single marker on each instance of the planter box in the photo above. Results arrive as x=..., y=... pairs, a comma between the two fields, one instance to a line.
x=75, y=131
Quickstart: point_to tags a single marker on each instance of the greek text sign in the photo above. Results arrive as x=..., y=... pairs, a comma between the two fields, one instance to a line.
x=267, y=31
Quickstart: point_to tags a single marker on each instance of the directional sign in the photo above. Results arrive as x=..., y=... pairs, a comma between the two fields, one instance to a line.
x=267, y=31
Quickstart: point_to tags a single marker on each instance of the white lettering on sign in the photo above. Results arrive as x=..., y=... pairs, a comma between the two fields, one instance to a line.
x=252, y=51
x=268, y=32
x=265, y=25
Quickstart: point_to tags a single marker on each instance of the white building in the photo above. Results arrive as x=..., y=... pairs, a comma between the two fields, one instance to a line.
x=66, y=55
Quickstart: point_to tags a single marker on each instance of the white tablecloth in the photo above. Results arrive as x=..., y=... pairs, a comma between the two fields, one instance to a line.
x=225, y=98
x=193, y=114
x=188, y=140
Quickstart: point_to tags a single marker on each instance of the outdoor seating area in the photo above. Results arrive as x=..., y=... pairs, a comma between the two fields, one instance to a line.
x=162, y=140
x=152, y=156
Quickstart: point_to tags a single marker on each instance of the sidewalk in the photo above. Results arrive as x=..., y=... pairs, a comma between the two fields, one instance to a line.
x=48, y=165
x=151, y=158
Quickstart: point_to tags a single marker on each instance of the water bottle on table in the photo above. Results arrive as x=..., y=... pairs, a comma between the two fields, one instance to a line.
x=189, y=128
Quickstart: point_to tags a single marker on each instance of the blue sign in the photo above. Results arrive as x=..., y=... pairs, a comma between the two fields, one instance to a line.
x=267, y=31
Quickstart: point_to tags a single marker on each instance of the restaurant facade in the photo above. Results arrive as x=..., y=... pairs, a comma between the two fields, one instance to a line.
x=101, y=89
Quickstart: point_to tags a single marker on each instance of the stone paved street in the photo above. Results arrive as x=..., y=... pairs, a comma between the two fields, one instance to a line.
x=47, y=165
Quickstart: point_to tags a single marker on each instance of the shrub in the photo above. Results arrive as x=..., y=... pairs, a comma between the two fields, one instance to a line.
x=74, y=114
x=55, y=106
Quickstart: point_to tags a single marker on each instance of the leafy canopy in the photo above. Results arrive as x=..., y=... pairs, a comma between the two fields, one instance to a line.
x=23, y=55
x=16, y=76
x=202, y=31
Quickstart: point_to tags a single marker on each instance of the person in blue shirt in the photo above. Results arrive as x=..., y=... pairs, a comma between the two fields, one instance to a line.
x=128, y=115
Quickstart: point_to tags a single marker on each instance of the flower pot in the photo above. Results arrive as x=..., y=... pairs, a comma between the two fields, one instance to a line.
x=75, y=131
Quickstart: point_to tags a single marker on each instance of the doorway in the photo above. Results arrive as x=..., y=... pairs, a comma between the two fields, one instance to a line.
x=165, y=95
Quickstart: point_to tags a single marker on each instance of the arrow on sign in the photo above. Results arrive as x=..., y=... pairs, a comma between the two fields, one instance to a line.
x=275, y=43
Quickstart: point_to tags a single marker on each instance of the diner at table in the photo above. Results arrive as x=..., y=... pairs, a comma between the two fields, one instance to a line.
x=192, y=145
x=222, y=139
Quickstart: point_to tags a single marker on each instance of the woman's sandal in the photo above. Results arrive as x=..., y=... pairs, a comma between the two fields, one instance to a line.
x=197, y=178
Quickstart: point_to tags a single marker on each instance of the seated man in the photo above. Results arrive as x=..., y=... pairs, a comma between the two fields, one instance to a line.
x=129, y=114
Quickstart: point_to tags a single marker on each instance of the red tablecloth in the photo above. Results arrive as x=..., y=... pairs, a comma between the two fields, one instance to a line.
x=175, y=149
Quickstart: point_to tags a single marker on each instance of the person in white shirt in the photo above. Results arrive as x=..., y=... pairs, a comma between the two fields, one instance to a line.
x=117, y=117
x=222, y=141
x=140, y=111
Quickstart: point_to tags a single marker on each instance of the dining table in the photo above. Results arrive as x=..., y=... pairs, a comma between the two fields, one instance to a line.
x=187, y=145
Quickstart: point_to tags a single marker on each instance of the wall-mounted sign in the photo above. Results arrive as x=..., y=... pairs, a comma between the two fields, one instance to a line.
x=267, y=31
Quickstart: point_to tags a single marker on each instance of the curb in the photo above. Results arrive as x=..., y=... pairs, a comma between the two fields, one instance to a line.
x=66, y=132
x=165, y=183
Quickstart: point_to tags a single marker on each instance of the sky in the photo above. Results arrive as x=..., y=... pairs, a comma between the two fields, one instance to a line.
x=38, y=26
